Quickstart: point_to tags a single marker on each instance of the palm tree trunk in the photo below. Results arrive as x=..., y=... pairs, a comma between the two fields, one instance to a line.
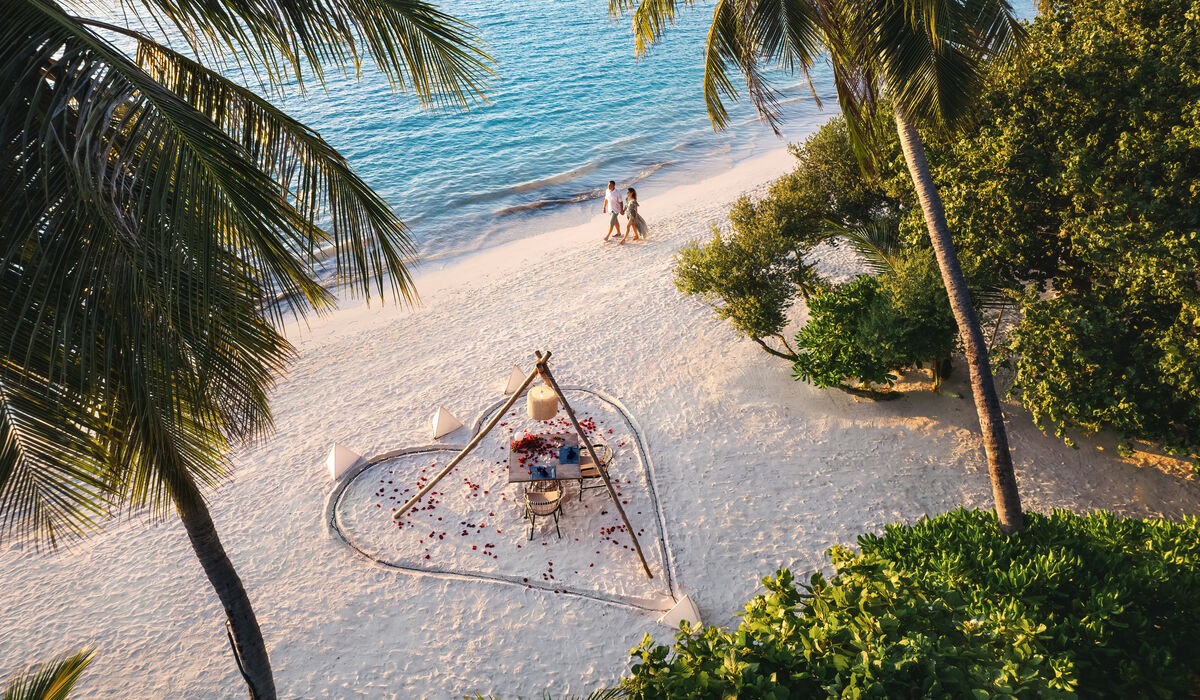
x=987, y=404
x=247, y=638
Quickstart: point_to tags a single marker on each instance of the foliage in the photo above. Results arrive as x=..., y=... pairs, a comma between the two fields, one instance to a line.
x=921, y=326
x=865, y=329
x=152, y=212
x=752, y=274
x=829, y=348
x=1092, y=605
x=1079, y=365
x=750, y=278
x=923, y=58
x=51, y=681
x=1080, y=180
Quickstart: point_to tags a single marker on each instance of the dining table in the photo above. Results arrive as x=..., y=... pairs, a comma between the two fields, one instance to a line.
x=561, y=460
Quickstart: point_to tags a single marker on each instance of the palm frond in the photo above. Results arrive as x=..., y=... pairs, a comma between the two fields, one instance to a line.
x=856, y=77
x=931, y=52
x=138, y=244
x=720, y=49
x=998, y=31
x=993, y=297
x=650, y=19
x=51, y=489
x=372, y=244
x=417, y=46
x=877, y=243
x=745, y=35
x=52, y=681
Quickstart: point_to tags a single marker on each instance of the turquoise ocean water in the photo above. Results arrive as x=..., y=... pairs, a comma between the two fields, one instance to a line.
x=571, y=108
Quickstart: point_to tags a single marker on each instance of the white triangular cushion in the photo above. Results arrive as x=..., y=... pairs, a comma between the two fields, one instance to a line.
x=685, y=609
x=444, y=423
x=515, y=379
x=340, y=459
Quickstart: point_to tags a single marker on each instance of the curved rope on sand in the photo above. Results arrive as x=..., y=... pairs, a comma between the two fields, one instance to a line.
x=339, y=532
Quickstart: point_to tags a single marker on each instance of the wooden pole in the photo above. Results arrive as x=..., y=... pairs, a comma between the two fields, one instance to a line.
x=544, y=368
x=470, y=445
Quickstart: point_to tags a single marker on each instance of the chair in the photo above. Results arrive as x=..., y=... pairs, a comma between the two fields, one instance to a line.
x=589, y=472
x=543, y=504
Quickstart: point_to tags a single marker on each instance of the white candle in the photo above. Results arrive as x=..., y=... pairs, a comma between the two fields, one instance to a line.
x=542, y=403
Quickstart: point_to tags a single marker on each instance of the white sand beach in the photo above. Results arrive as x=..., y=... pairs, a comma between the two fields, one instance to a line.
x=751, y=471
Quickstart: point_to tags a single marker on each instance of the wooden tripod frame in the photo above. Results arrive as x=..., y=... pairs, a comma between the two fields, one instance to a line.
x=542, y=368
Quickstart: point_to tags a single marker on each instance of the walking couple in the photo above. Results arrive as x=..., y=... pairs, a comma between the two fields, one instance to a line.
x=613, y=206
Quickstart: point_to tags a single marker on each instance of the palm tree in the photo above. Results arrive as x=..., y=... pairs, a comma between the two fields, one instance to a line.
x=151, y=214
x=924, y=58
x=51, y=681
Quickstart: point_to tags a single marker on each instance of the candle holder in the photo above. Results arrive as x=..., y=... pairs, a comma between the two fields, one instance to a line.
x=542, y=403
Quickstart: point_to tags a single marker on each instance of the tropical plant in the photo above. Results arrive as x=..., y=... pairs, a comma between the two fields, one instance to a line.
x=865, y=330
x=151, y=213
x=752, y=273
x=829, y=350
x=52, y=681
x=1091, y=606
x=919, y=327
x=924, y=59
x=1077, y=186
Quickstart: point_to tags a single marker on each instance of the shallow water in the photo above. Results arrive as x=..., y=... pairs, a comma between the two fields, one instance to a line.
x=571, y=108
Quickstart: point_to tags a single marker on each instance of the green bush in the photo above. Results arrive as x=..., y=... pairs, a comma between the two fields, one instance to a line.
x=868, y=328
x=917, y=325
x=750, y=278
x=829, y=349
x=753, y=273
x=1079, y=365
x=1081, y=179
x=1090, y=605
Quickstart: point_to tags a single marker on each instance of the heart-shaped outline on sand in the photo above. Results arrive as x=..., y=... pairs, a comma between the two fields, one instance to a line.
x=339, y=530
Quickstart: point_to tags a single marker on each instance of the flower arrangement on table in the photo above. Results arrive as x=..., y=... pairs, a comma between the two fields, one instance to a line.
x=532, y=446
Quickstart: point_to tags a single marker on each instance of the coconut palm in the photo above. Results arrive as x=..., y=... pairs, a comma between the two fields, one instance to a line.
x=921, y=57
x=152, y=212
x=51, y=681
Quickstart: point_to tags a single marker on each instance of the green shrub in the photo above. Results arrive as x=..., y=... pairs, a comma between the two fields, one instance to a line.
x=750, y=278
x=1079, y=365
x=1081, y=179
x=829, y=350
x=1090, y=605
x=867, y=328
x=919, y=326
x=753, y=273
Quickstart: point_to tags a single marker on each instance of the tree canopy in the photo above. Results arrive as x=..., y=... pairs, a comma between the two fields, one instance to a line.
x=1079, y=186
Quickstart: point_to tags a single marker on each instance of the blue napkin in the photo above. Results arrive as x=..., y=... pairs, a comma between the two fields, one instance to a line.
x=539, y=472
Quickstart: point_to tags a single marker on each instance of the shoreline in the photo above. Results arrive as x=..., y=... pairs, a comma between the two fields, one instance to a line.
x=430, y=276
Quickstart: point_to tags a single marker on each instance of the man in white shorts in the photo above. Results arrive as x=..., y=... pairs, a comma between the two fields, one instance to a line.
x=613, y=206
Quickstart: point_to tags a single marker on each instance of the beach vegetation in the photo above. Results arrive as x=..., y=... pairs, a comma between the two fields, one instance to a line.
x=859, y=334
x=153, y=213
x=1077, y=187
x=922, y=61
x=53, y=680
x=754, y=272
x=830, y=347
x=1072, y=605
